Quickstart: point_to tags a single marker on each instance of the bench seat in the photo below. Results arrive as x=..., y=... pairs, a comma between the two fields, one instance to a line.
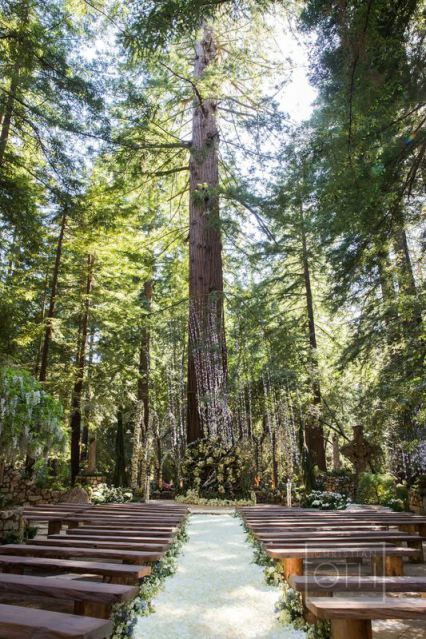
x=90, y=598
x=330, y=584
x=17, y=622
x=115, y=573
x=100, y=542
x=126, y=556
x=351, y=618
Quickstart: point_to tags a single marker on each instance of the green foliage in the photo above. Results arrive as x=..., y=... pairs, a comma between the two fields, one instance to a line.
x=215, y=471
x=104, y=494
x=192, y=497
x=383, y=489
x=289, y=609
x=125, y=616
x=31, y=419
x=325, y=500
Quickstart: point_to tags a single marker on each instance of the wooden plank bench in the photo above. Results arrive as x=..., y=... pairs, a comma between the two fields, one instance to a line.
x=17, y=622
x=99, y=542
x=351, y=618
x=92, y=599
x=84, y=531
x=339, y=537
x=126, y=556
x=111, y=573
x=113, y=528
x=388, y=559
x=329, y=584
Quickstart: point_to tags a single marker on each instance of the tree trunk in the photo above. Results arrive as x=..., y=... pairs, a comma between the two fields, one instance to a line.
x=314, y=433
x=207, y=407
x=8, y=110
x=120, y=475
x=78, y=383
x=144, y=353
x=51, y=310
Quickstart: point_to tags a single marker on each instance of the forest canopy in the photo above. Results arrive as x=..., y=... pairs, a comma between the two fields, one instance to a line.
x=212, y=242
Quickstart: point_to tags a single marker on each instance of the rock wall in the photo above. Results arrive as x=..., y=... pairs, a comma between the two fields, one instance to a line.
x=340, y=484
x=11, y=523
x=16, y=490
x=417, y=501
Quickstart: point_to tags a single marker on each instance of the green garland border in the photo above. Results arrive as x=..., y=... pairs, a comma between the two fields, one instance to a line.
x=125, y=615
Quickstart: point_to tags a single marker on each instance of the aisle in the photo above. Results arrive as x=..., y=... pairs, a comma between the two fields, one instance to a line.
x=216, y=593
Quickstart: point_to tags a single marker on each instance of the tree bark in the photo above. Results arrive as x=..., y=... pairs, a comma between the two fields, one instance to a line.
x=8, y=110
x=80, y=367
x=144, y=353
x=314, y=434
x=207, y=406
x=120, y=474
x=51, y=310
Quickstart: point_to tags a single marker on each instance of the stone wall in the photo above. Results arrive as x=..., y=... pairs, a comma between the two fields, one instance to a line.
x=11, y=523
x=16, y=490
x=340, y=484
x=417, y=501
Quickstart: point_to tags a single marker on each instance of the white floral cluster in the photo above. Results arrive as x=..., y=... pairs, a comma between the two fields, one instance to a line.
x=30, y=419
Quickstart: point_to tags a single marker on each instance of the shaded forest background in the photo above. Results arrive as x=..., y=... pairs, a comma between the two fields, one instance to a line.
x=297, y=346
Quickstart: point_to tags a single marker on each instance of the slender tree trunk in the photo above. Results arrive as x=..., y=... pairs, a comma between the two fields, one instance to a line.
x=80, y=367
x=85, y=442
x=8, y=110
x=207, y=407
x=42, y=318
x=314, y=433
x=51, y=310
x=120, y=474
x=144, y=353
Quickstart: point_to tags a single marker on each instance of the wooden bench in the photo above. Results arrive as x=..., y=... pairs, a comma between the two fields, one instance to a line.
x=85, y=531
x=388, y=560
x=351, y=618
x=115, y=528
x=17, y=622
x=90, y=598
x=99, y=542
x=112, y=573
x=126, y=556
x=329, y=584
x=325, y=538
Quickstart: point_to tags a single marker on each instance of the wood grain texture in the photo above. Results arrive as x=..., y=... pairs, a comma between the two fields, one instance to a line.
x=127, y=556
x=357, y=584
x=125, y=571
x=27, y=623
x=367, y=608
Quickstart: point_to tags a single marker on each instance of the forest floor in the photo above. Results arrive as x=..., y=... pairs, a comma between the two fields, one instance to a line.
x=217, y=592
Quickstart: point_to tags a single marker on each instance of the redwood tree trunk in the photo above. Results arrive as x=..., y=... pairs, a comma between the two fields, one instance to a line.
x=314, y=434
x=208, y=413
x=78, y=383
x=144, y=354
x=51, y=311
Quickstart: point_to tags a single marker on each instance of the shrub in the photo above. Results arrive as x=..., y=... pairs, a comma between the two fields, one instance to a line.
x=324, y=500
x=104, y=494
x=192, y=497
x=382, y=489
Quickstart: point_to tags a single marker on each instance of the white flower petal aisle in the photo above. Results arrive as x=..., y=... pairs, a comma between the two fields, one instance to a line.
x=217, y=592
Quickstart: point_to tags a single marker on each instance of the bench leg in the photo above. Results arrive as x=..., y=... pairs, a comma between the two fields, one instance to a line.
x=417, y=545
x=394, y=567
x=92, y=609
x=351, y=629
x=54, y=527
x=292, y=566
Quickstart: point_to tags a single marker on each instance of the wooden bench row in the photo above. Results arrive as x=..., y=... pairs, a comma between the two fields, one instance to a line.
x=297, y=536
x=82, y=554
